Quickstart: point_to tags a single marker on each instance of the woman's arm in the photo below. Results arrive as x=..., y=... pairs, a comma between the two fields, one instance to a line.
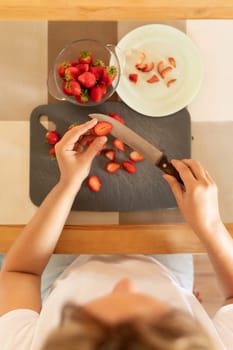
x=29, y=255
x=199, y=205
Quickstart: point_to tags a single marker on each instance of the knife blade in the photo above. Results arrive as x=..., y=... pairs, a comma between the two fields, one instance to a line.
x=138, y=143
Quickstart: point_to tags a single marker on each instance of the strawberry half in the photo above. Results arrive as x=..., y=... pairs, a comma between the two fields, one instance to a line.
x=112, y=167
x=136, y=156
x=52, y=137
x=94, y=183
x=110, y=154
x=116, y=117
x=102, y=128
x=172, y=61
x=119, y=145
x=129, y=167
x=85, y=57
x=133, y=78
x=87, y=79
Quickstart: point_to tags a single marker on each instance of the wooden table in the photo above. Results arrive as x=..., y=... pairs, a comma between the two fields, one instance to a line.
x=116, y=9
x=166, y=238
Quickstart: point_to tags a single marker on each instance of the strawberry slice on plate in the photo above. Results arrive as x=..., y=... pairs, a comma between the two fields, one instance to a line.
x=94, y=183
x=102, y=128
x=133, y=77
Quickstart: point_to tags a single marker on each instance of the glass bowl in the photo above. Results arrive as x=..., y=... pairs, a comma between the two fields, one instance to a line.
x=69, y=54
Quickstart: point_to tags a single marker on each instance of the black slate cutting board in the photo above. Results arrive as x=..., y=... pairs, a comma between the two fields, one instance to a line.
x=145, y=190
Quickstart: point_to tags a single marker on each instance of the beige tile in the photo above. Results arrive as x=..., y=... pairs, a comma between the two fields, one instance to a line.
x=151, y=217
x=93, y=218
x=23, y=66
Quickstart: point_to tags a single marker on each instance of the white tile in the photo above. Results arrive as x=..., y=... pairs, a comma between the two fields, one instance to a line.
x=23, y=66
x=212, y=146
x=214, y=39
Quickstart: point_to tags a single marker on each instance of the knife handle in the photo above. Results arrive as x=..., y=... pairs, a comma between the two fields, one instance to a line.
x=168, y=168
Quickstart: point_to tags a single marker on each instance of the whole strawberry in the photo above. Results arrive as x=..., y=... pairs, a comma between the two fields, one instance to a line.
x=109, y=74
x=71, y=73
x=87, y=79
x=97, y=69
x=85, y=57
x=61, y=68
x=96, y=93
x=52, y=137
x=83, y=97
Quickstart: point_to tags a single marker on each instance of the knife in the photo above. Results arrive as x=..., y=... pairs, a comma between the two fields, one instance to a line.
x=138, y=143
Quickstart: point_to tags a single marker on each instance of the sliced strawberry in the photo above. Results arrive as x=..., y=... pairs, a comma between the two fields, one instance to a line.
x=52, y=137
x=116, y=117
x=75, y=88
x=119, y=145
x=133, y=78
x=149, y=67
x=85, y=57
x=129, y=167
x=94, y=183
x=141, y=58
x=109, y=74
x=170, y=82
x=153, y=79
x=172, y=61
x=83, y=97
x=165, y=72
x=61, y=68
x=110, y=154
x=66, y=88
x=102, y=128
x=96, y=93
x=71, y=73
x=87, y=79
x=52, y=153
x=141, y=66
x=136, y=156
x=112, y=167
x=160, y=67
x=82, y=67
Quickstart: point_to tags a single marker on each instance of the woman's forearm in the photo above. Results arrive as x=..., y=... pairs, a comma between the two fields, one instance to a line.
x=219, y=246
x=31, y=251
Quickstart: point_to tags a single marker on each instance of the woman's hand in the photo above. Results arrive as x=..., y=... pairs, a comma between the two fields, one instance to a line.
x=199, y=201
x=75, y=162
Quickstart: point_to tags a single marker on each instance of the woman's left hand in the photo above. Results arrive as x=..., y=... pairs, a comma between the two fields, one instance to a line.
x=74, y=162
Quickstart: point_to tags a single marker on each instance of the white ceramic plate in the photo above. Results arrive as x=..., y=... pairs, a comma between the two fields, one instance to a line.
x=159, y=42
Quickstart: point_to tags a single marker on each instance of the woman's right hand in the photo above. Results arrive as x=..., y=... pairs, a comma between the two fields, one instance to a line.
x=198, y=202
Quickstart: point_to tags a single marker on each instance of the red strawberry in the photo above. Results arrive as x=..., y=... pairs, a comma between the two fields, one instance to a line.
x=136, y=156
x=72, y=63
x=97, y=69
x=96, y=93
x=109, y=74
x=87, y=79
x=94, y=183
x=133, y=78
x=141, y=66
x=119, y=145
x=129, y=167
x=102, y=128
x=149, y=67
x=153, y=79
x=52, y=153
x=110, y=154
x=71, y=73
x=112, y=167
x=85, y=57
x=52, y=137
x=117, y=117
x=83, y=97
x=66, y=88
x=61, y=68
x=172, y=61
x=103, y=87
x=82, y=67
x=75, y=88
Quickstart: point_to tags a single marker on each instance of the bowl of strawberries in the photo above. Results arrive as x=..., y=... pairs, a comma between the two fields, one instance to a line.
x=86, y=72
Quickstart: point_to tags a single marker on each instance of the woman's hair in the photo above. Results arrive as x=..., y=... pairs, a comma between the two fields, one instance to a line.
x=175, y=330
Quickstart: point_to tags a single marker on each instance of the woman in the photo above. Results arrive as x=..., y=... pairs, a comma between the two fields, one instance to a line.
x=113, y=302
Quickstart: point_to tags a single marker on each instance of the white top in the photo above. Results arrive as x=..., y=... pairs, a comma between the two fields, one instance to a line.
x=91, y=276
